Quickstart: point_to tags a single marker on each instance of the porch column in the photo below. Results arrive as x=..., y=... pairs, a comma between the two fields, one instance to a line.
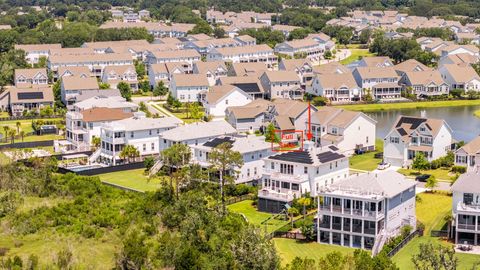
x=376, y=211
x=362, y=244
x=351, y=240
x=331, y=221
x=330, y=238
x=476, y=223
x=343, y=205
x=456, y=236
x=363, y=208
x=342, y=242
x=475, y=239
x=331, y=205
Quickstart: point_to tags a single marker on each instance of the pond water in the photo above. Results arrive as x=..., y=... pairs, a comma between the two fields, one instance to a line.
x=464, y=124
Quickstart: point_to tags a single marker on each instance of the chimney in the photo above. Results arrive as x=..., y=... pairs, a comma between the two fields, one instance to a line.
x=139, y=115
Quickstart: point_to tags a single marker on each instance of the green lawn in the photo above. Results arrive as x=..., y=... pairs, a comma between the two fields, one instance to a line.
x=26, y=126
x=431, y=211
x=409, y=105
x=135, y=179
x=367, y=161
x=477, y=113
x=255, y=217
x=357, y=54
x=288, y=249
x=440, y=173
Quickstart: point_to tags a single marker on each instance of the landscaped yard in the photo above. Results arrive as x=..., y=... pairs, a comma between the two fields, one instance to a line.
x=440, y=173
x=409, y=105
x=431, y=210
x=255, y=217
x=288, y=249
x=26, y=126
x=367, y=161
x=357, y=54
x=135, y=179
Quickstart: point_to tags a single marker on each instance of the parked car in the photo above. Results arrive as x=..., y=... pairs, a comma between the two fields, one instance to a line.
x=383, y=165
x=422, y=178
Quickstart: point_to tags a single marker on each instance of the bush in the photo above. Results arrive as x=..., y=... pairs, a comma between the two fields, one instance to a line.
x=148, y=163
x=459, y=169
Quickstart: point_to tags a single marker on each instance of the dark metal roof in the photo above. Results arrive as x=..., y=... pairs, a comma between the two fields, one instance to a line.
x=248, y=87
x=329, y=156
x=415, y=122
x=296, y=156
x=333, y=147
x=217, y=141
x=30, y=95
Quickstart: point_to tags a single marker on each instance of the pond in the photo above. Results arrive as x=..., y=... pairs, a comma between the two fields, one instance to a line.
x=464, y=124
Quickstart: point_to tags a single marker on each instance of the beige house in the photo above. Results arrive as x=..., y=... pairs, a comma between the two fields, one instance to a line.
x=213, y=70
x=30, y=99
x=72, y=86
x=336, y=87
x=31, y=77
x=469, y=155
x=188, y=87
x=113, y=75
x=281, y=84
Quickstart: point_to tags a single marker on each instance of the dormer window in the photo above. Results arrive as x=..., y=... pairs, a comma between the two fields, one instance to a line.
x=422, y=129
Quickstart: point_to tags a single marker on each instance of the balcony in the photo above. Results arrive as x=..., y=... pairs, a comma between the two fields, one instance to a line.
x=274, y=175
x=470, y=227
x=462, y=207
x=286, y=196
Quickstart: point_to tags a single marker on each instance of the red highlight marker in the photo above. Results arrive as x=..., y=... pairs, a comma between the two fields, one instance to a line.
x=309, y=132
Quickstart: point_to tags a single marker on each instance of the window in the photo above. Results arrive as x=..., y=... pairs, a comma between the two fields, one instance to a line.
x=132, y=134
x=305, y=169
x=336, y=164
x=272, y=166
x=286, y=185
x=295, y=187
x=144, y=147
x=226, y=101
x=286, y=168
x=467, y=198
x=248, y=172
x=150, y=132
x=394, y=140
x=153, y=146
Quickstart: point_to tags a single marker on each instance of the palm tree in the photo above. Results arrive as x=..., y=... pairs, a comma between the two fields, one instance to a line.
x=6, y=129
x=22, y=134
x=129, y=152
x=448, y=218
x=292, y=211
x=96, y=141
x=18, y=124
x=12, y=134
x=304, y=201
x=223, y=159
x=176, y=156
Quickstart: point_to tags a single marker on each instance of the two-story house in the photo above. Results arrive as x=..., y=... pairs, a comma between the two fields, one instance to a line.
x=365, y=210
x=29, y=99
x=348, y=131
x=156, y=57
x=460, y=77
x=302, y=67
x=252, y=148
x=139, y=131
x=336, y=87
x=220, y=97
x=469, y=155
x=188, y=87
x=33, y=52
x=113, y=75
x=34, y=77
x=302, y=48
x=425, y=83
x=289, y=115
x=291, y=175
x=379, y=82
x=72, y=86
x=412, y=135
x=250, y=117
x=466, y=208
x=281, y=84
x=213, y=70
x=244, y=54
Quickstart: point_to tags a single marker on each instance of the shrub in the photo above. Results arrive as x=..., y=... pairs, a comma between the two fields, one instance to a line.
x=459, y=169
x=148, y=162
x=3, y=251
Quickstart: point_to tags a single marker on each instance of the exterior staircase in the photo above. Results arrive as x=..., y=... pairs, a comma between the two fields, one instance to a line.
x=380, y=240
x=94, y=156
x=156, y=167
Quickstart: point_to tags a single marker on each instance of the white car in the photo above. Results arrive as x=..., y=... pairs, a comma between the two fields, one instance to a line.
x=383, y=165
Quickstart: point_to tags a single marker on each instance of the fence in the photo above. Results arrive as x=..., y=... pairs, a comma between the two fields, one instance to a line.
x=289, y=235
x=27, y=144
x=102, y=170
x=405, y=241
x=239, y=199
x=13, y=118
x=439, y=233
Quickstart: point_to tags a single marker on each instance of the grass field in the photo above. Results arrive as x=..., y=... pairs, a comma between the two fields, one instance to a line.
x=477, y=113
x=357, y=54
x=26, y=126
x=288, y=249
x=409, y=105
x=440, y=173
x=133, y=179
x=367, y=161
x=431, y=210
x=255, y=217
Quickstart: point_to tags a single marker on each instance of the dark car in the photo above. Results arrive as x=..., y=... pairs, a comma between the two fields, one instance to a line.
x=422, y=178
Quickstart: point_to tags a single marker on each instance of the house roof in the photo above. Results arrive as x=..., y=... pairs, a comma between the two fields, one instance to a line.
x=245, y=38
x=284, y=122
x=75, y=71
x=282, y=76
x=142, y=123
x=78, y=83
x=159, y=68
x=246, y=144
x=300, y=43
x=375, y=61
x=460, y=58
x=120, y=70
x=461, y=73
x=376, y=72
x=251, y=68
x=292, y=64
x=29, y=73
x=290, y=108
x=473, y=147
x=185, y=80
x=243, y=49
x=100, y=57
x=106, y=44
x=105, y=102
x=37, y=47
x=249, y=84
x=251, y=110
x=190, y=53
x=335, y=81
x=100, y=114
x=283, y=27
x=331, y=68
x=425, y=77
x=199, y=130
x=217, y=92
x=99, y=92
x=467, y=182
x=31, y=95
x=406, y=125
x=204, y=67
x=411, y=65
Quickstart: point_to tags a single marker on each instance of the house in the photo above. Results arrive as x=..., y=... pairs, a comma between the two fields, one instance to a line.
x=244, y=54
x=465, y=208
x=410, y=65
x=458, y=59
x=30, y=99
x=468, y=155
x=188, y=87
x=331, y=68
x=324, y=40
x=196, y=133
x=31, y=77
x=425, y=83
x=365, y=210
x=72, y=86
x=95, y=62
x=139, y=131
x=281, y=84
x=248, y=84
x=84, y=95
x=82, y=125
x=410, y=136
x=164, y=72
x=82, y=72
x=158, y=57
x=456, y=49
x=336, y=87
x=249, y=117
x=253, y=69
x=350, y=132
x=302, y=48
x=302, y=67
x=460, y=77
x=213, y=70
x=380, y=82
x=246, y=40
x=252, y=148
x=204, y=46
x=375, y=61
x=100, y=101
x=220, y=97
x=291, y=175
x=113, y=75
x=467, y=38
x=103, y=46
x=285, y=29
x=33, y=52
x=288, y=115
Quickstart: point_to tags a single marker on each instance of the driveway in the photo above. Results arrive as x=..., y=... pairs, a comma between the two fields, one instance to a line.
x=442, y=186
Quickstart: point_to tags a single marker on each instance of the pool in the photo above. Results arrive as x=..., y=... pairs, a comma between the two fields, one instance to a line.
x=83, y=168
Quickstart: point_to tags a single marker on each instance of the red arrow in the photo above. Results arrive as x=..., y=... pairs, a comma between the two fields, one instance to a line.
x=309, y=133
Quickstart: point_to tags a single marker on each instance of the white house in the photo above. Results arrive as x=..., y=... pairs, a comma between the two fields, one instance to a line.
x=460, y=77
x=412, y=135
x=425, y=83
x=72, y=86
x=291, y=175
x=348, y=131
x=336, y=87
x=468, y=155
x=250, y=117
x=244, y=54
x=157, y=57
x=213, y=70
x=139, y=131
x=220, y=97
x=33, y=52
x=281, y=84
x=113, y=75
x=31, y=77
x=466, y=208
x=365, y=210
x=188, y=87
x=380, y=82
x=252, y=148
x=304, y=48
